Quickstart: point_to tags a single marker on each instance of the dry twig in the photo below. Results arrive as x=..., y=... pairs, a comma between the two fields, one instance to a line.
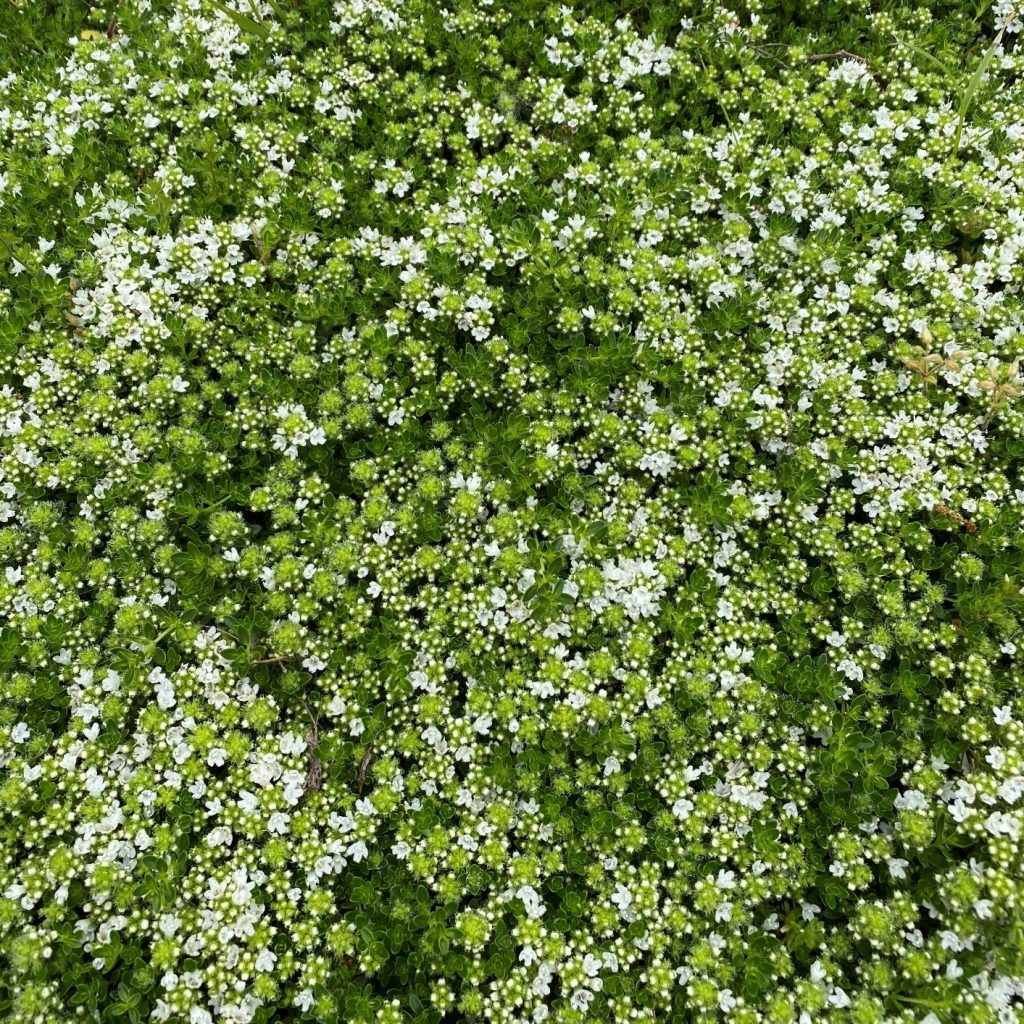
x=817, y=58
x=363, y=765
x=314, y=767
x=954, y=517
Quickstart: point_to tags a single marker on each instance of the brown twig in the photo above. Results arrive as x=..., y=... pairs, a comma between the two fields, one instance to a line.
x=277, y=659
x=764, y=50
x=112, y=26
x=817, y=58
x=954, y=517
x=314, y=768
x=363, y=765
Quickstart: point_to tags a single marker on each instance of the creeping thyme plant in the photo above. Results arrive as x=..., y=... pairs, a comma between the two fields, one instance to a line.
x=511, y=513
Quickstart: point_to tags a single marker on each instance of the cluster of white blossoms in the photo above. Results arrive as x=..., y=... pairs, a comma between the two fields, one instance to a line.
x=295, y=430
x=512, y=513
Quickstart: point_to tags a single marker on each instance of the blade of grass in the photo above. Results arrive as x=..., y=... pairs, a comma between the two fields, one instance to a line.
x=980, y=11
x=972, y=87
x=243, y=21
x=976, y=79
x=258, y=14
x=941, y=65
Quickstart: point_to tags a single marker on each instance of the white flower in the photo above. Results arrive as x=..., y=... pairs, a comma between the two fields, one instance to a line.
x=265, y=961
x=1000, y=824
x=385, y=533
x=658, y=464
x=220, y=836
x=531, y=901
x=622, y=898
x=897, y=867
x=682, y=808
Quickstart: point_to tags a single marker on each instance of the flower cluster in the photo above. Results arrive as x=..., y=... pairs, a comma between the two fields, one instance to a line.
x=512, y=513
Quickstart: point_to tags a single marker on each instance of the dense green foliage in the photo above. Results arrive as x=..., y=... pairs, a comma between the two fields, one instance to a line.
x=511, y=513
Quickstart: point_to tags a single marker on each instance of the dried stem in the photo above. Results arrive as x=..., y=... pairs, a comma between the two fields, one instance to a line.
x=363, y=765
x=817, y=58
